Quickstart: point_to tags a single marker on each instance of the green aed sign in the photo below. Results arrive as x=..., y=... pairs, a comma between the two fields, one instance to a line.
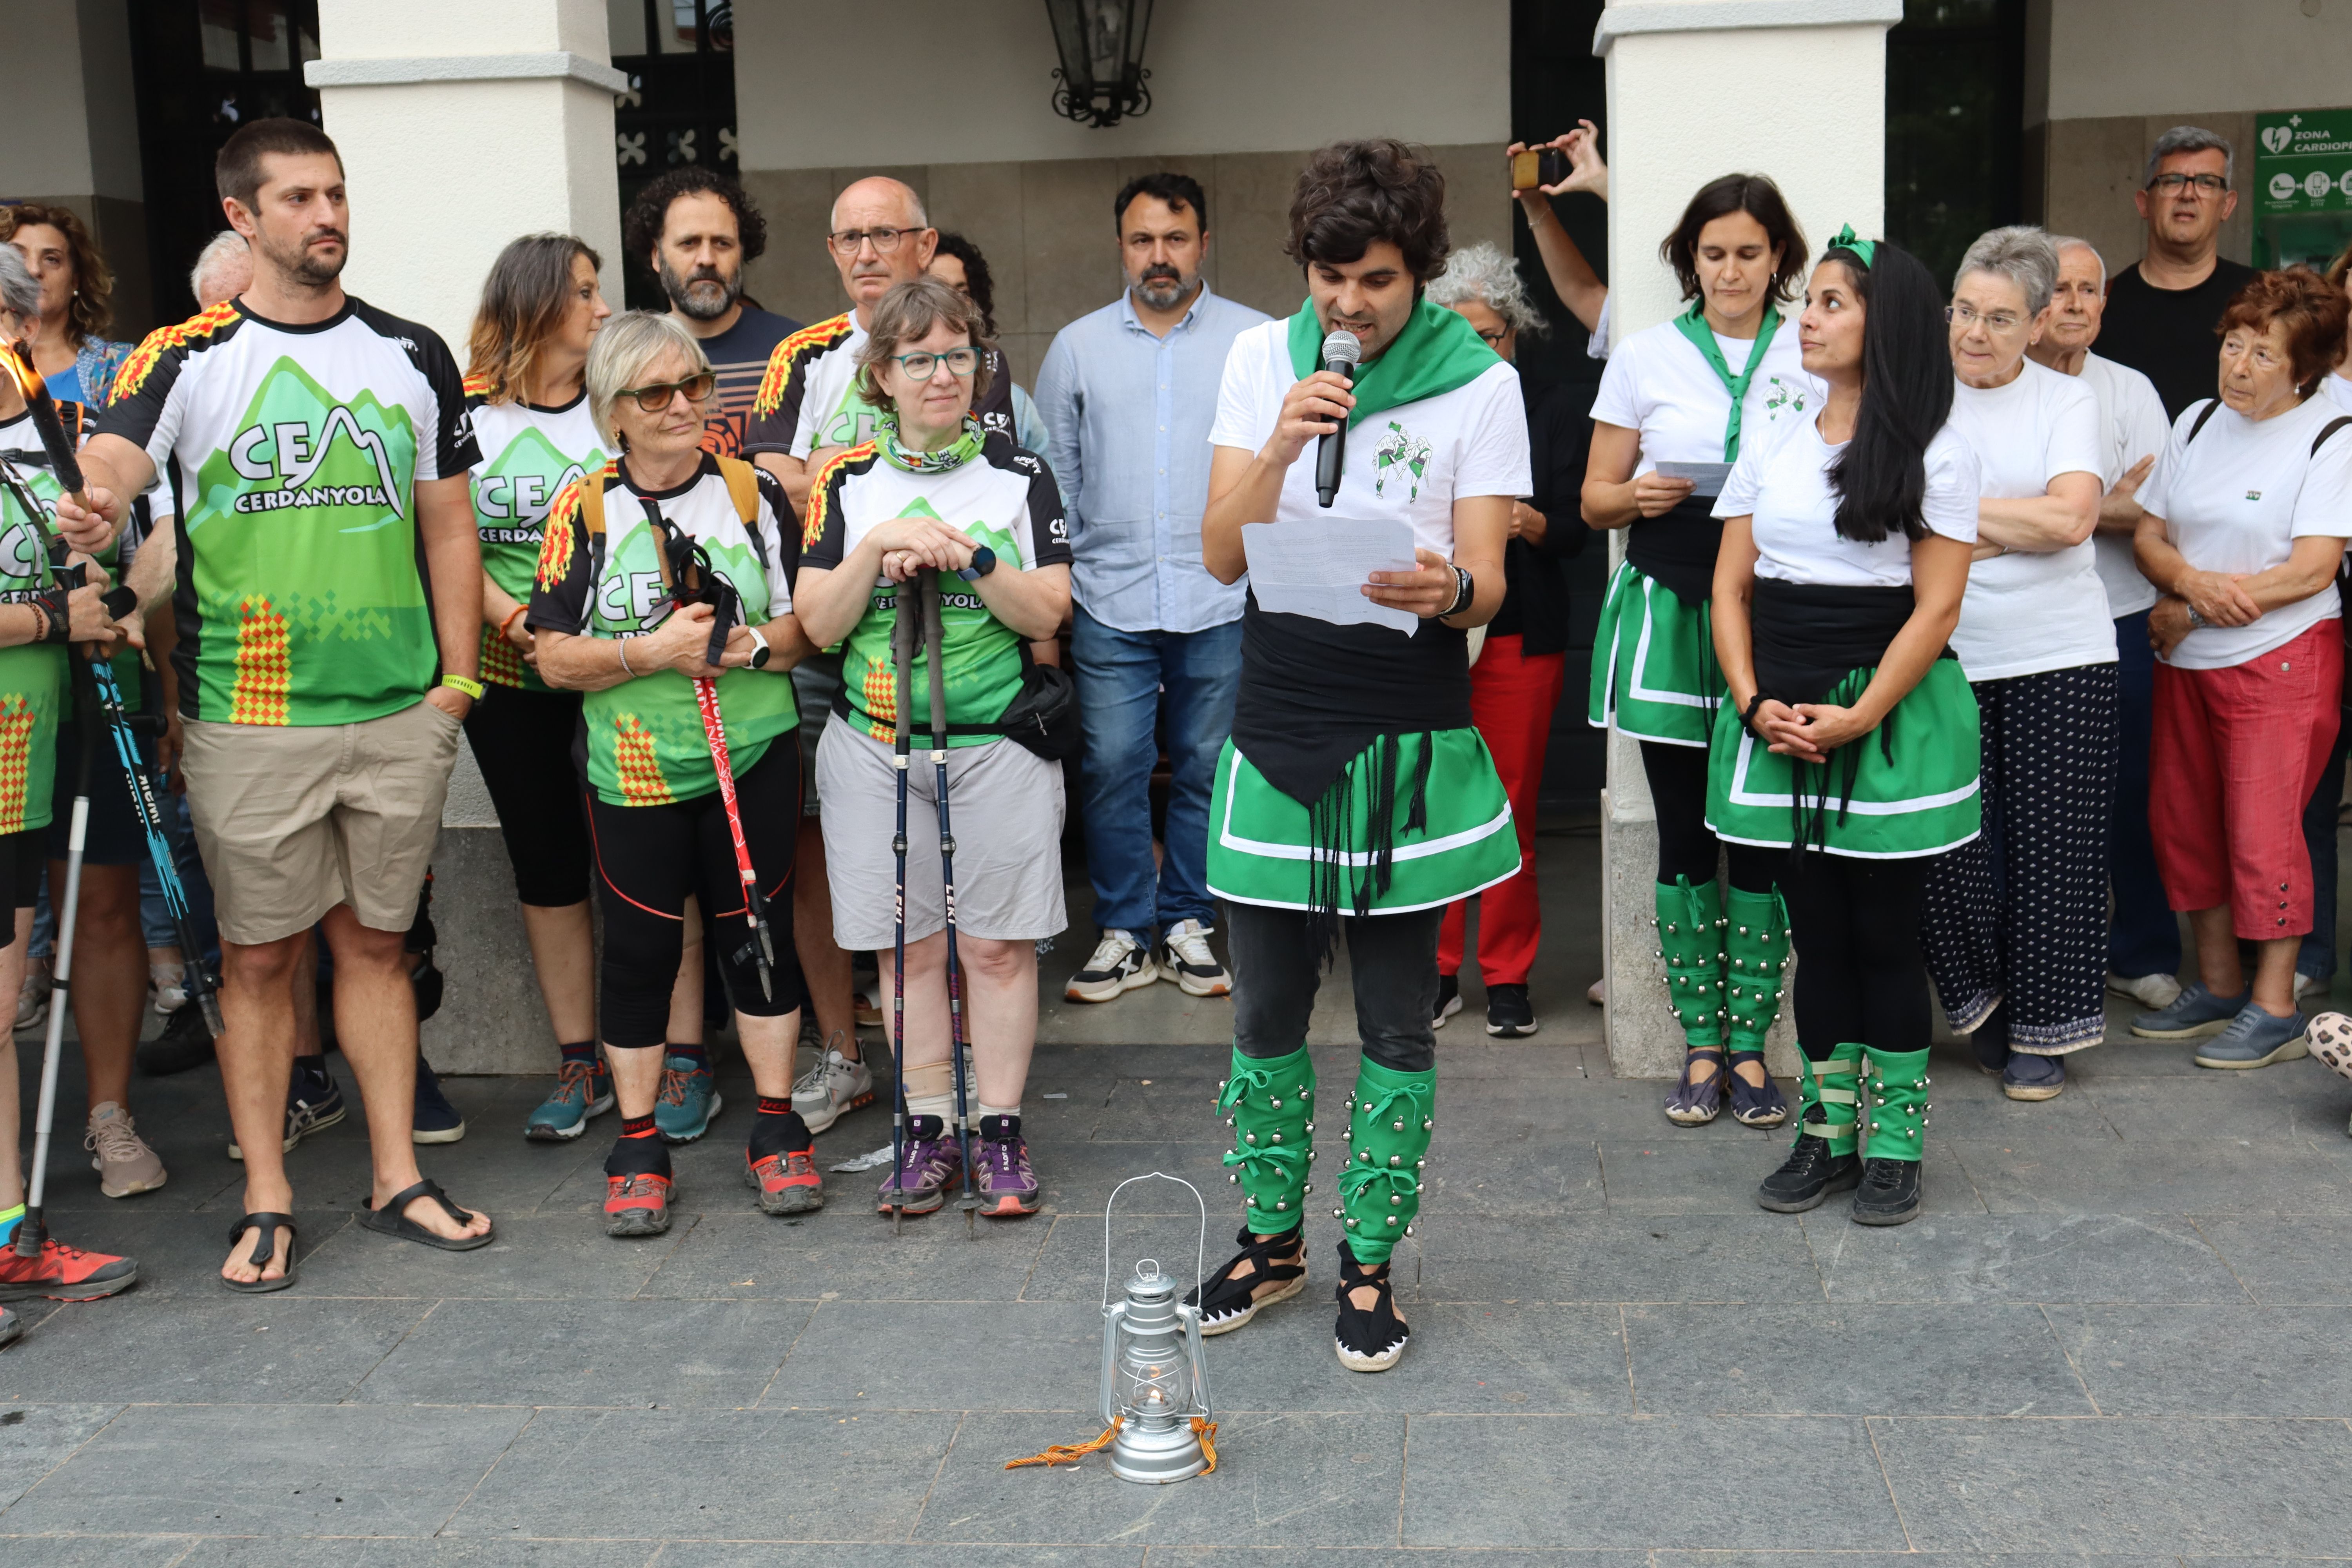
x=2302, y=188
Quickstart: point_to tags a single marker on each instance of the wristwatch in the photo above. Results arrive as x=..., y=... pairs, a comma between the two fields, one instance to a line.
x=2197, y=623
x=760, y=655
x=464, y=683
x=983, y=561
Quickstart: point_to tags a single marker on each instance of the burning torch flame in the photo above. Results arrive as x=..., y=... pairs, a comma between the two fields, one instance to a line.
x=44, y=408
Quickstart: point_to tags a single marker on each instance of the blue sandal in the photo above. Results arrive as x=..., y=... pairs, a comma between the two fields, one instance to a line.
x=1695, y=1104
x=1754, y=1105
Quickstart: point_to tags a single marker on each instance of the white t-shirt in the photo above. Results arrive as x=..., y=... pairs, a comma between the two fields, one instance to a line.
x=1659, y=384
x=2131, y=416
x=1781, y=484
x=2236, y=498
x=2028, y=611
x=1411, y=462
x=2339, y=391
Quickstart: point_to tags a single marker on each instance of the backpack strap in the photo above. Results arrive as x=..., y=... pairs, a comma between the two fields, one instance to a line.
x=2212, y=406
x=2333, y=426
x=742, y=489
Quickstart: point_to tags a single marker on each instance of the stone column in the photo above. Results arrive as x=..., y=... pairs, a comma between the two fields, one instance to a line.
x=1792, y=88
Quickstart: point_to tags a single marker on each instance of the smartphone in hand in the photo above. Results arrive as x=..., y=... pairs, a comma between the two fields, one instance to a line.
x=1537, y=166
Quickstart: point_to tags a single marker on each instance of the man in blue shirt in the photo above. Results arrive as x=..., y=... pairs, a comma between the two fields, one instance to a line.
x=1129, y=394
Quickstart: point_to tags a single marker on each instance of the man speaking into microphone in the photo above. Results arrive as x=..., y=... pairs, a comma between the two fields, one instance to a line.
x=1354, y=795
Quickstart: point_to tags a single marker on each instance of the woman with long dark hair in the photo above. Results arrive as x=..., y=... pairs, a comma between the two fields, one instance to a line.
x=1849, y=738
x=1691, y=391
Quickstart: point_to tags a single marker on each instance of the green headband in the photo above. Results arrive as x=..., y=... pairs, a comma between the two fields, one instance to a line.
x=1868, y=249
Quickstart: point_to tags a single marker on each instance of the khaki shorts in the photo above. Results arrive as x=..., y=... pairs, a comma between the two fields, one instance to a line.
x=293, y=820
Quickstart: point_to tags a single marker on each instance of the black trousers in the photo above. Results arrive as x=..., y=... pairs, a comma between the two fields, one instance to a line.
x=1278, y=968
x=1677, y=776
x=522, y=743
x=1860, y=974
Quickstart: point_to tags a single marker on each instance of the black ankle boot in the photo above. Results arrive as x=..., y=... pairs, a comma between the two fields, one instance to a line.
x=1810, y=1173
x=1889, y=1194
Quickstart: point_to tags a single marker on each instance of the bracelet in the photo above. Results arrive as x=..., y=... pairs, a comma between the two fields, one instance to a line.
x=1465, y=589
x=518, y=610
x=51, y=607
x=465, y=683
x=1747, y=714
x=623, y=645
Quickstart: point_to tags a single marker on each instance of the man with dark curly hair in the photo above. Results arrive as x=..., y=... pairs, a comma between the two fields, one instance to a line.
x=697, y=230
x=1355, y=791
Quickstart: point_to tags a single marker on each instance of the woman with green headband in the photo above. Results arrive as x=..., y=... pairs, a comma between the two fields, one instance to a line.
x=1848, y=740
x=1692, y=393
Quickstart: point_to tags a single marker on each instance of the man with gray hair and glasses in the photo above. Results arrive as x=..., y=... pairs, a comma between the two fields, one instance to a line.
x=2162, y=314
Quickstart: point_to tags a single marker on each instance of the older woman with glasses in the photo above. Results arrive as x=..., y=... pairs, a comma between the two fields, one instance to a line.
x=2016, y=921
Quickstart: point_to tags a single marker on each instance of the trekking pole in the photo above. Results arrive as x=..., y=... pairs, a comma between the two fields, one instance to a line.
x=933, y=645
x=902, y=654
x=755, y=903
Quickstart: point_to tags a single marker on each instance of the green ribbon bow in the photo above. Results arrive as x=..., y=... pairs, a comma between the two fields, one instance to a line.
x=1868, y=249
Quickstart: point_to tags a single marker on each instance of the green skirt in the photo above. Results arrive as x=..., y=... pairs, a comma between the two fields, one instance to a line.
x=1908, y=789
x=1261, y=844
x=1653, y=669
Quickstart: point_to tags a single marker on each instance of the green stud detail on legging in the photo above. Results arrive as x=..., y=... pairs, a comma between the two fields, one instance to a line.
x=1758, y=941
x=1690, y=926
x=1269, y=1100
x=1832, y=1086
x=1895, y=1124
x=1379, y=1192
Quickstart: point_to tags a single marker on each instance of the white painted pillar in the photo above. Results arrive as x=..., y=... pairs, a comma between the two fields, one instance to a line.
x=461, y=126
x=1697, y=88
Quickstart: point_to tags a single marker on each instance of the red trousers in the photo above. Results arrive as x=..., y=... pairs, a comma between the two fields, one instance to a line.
x=2235, y=755
x=1511, y=699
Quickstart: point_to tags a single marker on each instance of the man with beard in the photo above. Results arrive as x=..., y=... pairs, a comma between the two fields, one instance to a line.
x=321, y=449
x=1128, y=394
x=698, y=231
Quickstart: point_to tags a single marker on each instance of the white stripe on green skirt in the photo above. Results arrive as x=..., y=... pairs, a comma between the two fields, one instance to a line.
x=1261, y=844
x=1653, y=666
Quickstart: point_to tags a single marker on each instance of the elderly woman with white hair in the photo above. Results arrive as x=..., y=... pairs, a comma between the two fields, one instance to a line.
x=1520, y=668
x=2016, y=921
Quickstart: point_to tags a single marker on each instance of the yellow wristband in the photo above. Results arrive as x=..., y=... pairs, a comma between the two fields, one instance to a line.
x=466, y=684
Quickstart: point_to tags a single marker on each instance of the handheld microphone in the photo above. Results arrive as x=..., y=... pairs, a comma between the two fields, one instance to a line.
x=1341, y=354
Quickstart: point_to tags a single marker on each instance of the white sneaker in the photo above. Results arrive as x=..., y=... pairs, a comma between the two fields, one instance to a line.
x=170, y=984
x=1120, y=963
x=2303, y=983
x=33, y=1000
x=1598, y=993
x=2156, y=992
x=832, y=1086
x=1186, y=960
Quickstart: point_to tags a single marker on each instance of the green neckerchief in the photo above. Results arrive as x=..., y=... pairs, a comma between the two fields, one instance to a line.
x=954, y=454
x=1437, y=352
x=1692, y=324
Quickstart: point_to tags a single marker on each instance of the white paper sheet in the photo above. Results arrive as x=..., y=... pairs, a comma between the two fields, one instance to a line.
x=1707, y=479
x=1317, y=568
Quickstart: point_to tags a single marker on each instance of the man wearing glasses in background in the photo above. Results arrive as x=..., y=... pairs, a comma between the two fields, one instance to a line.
x=2162, y=314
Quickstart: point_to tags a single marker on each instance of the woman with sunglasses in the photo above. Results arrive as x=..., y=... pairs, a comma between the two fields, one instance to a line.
x=931, y=492
x=665, y=518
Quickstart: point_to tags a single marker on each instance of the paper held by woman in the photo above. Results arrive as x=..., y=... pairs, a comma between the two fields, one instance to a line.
x=1317, y=567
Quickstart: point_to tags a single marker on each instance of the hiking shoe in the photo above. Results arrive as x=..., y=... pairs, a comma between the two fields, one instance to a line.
x=2028, y=1077
x=2156, y=992
x=637, y=1205
x=583, y=1089
x=62, y=1273
x=1809, y=1175
x=2255, y=1038
x=435, y=1119
x=1449, y=1000
x=1120, y=963
x=314, y=1102
x=835, y=1085
x=2193, y=1015
x=33, y=999
x=689, y=1098
x=1008, y=1186
x=185, y=1044
x=930, y=1166
x=1889, y=1194
x=1509, y=1014
x=124, y=1163
x=786, y=1182
x=1185, y=958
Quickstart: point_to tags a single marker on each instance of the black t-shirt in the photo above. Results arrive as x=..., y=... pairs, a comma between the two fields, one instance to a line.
x=2170, y=334
x=1559, y=438
x=740, y=355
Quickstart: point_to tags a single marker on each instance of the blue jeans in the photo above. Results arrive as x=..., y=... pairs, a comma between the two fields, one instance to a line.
x=1122, y=678
x=2145, y=935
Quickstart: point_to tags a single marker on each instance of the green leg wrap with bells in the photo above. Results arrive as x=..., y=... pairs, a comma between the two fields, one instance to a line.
x=1896, y=1123
x=1389, y=1123
x=1268, y=1102
x=1755, y=935
x=1831, y=1086
x=1690, y=939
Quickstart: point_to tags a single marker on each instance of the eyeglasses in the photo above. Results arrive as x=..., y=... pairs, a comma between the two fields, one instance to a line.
x=654, y=399
x=1998, y=322
x=2204, y=184
x=924, y=366
x=1493, y=338
x=846, y=241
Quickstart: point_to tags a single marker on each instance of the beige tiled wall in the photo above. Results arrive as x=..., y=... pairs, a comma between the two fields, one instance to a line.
x=1046, y=229
x=2091, y=168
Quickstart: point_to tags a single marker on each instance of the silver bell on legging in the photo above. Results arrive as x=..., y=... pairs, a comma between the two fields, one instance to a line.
x=1155, y=1385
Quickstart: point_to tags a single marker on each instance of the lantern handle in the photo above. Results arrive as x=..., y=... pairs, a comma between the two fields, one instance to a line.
x=1200, y=1252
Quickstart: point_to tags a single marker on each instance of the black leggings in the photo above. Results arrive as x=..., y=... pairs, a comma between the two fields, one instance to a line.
x=1861, y=976
x=1677, y=777
x=649, y=858
x=523, y=741
x=1277, y=969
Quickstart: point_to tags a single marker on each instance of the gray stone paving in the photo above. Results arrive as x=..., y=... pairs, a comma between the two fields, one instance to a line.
x=2117, y=1332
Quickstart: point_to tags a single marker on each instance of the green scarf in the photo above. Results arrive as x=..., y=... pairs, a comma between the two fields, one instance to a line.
x=1692, y=324
x=954, y=454
x=1437, y=352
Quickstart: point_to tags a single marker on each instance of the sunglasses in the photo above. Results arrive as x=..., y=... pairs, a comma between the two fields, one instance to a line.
x=654, y=399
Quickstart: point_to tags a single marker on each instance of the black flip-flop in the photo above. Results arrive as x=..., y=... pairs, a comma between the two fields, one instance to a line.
x=390, y=1220
x=265, y=1251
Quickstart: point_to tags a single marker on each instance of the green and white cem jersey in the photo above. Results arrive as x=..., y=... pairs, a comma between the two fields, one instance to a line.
x=1409, y=461
x=32, y=675
x=529, y=454
x=644, y=738
x=1910, y=788
x=1653, y=669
